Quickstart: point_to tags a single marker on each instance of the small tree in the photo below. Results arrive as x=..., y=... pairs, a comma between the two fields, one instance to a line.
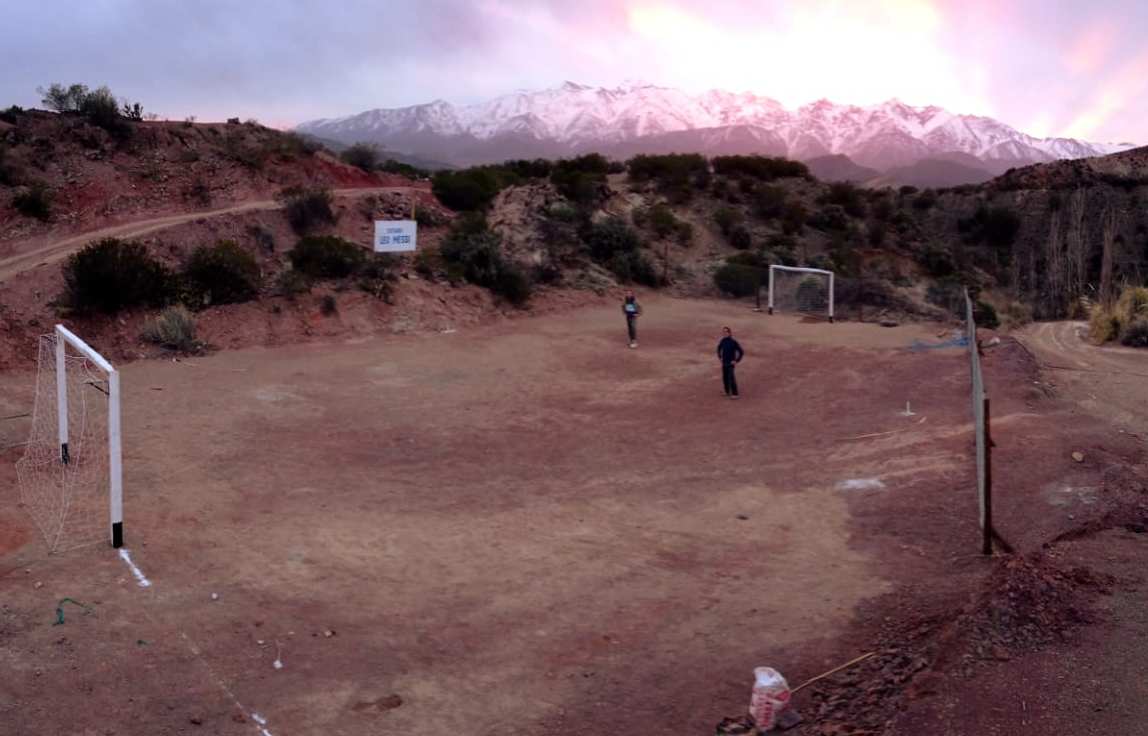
x=63, y=99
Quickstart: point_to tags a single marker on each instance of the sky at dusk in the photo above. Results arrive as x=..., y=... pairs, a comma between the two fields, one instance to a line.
x=1070, y=68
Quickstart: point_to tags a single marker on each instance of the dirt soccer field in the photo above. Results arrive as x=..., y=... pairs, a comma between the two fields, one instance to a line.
x=521, y=529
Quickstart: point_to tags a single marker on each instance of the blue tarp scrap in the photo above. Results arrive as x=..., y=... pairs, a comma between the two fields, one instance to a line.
x=959, y=341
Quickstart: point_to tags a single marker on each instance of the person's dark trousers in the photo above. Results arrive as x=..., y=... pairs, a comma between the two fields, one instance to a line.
x=728, y=380
x=632, y=326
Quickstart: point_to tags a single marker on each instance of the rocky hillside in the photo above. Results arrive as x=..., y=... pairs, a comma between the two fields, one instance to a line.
x=60, y=173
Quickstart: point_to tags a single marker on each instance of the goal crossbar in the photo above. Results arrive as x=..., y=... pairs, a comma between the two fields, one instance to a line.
x=797, y=269
x=65, y=337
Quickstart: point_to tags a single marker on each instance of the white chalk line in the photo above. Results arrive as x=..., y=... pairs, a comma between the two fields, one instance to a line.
x=126, y=557
x=860, y=484
x=260, y=721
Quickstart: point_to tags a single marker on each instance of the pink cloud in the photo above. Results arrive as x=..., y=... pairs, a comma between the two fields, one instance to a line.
x=1092, y=48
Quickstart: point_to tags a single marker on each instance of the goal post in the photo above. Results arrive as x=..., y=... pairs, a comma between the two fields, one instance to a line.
x=71, y=474
x=798, y=289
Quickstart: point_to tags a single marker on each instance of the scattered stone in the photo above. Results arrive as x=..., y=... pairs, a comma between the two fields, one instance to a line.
x=889, y=323
x=328, y=633
x=1078, y=457
x=215, y=596
x=743, y=517
x=38, y=585
x=788, y=719
x=195, y=721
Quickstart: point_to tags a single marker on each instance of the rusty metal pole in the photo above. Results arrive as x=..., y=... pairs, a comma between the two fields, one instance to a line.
x=987, y=531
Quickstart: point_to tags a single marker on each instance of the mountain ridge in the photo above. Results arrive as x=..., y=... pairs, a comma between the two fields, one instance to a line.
x=641, y=117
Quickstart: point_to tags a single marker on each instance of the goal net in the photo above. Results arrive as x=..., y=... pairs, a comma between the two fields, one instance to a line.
x=70, y=474
x=804, y=290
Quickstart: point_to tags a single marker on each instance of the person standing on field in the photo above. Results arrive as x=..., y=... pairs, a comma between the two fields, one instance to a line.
x=632, y=310
x=730, y=354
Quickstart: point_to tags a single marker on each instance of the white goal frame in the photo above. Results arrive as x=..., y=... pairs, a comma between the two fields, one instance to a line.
x=798, y=269
x=65, y=337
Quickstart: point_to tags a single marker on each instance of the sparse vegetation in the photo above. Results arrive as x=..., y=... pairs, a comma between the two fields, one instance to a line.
x=111, y=275
x=761, y=168
x=676, y=175
x=362, y=155
x=223, y=273
x=307, y=208
x=173, y=328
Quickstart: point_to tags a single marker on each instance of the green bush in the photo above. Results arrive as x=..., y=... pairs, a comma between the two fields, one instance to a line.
x=1135, y=334
x=793, y=217
x=847, y=196
x=512, y=284
x=362, y=155
x=633, y=267
x=474, y=252
x=392, y=166
x=327, y=257
x=110, y=275
x=985, y=315
x=307, y=208
x=740, y=238
x=830, y=218
x=12, y=114
x=223, y=273
x=738, y=280
x=726, y=218
x=173, y=328
x=676, y=175
x=762, y=168
x=34, y=201
x=291, y=283
x=937, y=262
x=466, y=190
x=580, y=179
x=769, y=201
x=925, y=200
x=377, y=274
x=610, y=236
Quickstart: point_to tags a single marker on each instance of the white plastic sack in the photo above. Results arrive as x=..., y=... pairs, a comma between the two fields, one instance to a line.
x=770, y=697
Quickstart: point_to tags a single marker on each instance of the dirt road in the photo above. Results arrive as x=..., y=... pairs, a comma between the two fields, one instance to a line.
x=1106, y=381
x=39, y=251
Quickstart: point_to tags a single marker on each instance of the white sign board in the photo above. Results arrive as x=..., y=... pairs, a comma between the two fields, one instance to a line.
x=395, y=236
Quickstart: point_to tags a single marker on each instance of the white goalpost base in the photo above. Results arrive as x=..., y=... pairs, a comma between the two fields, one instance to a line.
x=812, y=292
x=71, y=473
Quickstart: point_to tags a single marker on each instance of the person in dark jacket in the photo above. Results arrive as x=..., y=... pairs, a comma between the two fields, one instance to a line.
x=632, y=310
x=730, y=354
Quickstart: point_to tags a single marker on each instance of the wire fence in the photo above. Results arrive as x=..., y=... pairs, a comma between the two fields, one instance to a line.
x=981, y=431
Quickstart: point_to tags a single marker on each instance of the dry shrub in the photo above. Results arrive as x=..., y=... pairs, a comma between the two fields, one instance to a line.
x=173, y=328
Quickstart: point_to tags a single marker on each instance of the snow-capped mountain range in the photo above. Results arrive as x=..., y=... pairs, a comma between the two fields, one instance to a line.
x=639, y=117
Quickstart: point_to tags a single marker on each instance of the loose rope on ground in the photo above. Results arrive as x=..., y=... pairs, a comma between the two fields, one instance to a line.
x=833, y=671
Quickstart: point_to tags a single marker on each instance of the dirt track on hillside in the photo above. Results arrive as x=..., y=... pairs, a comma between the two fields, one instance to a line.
x=1107, y=381
x=40, y=251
